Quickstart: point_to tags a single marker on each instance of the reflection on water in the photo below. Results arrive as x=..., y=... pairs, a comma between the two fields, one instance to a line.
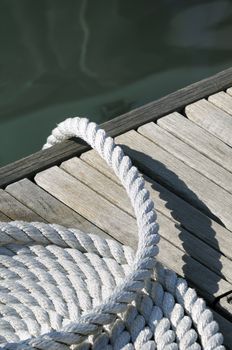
x=99, y=58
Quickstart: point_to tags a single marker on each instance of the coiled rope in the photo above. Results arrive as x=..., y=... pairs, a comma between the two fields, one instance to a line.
x=63, y=289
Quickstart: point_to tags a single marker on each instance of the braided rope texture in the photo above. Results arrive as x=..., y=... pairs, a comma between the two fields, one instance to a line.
x=63, y=289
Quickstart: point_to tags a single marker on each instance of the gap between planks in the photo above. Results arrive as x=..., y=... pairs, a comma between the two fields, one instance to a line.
x=211, y=118
x=15, y=210
x=222, y=100
x=187, y=155
x=198, y=138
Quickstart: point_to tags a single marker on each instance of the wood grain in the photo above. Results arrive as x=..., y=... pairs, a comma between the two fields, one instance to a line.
x=181, y=238
x=198, y=138
x=48, y=207
x=87, y=203
x=177, y=176
x=3, y=217
x=173, y=207
x=15, y=210
x=222, y=100
x=188, y=155
x=92, y=158
x=212, y=119
x=29, y=166
x=122, y=227
x=101, y=184
x=204, y=280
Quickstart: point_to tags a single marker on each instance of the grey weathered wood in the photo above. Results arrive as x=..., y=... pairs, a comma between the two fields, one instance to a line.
x=212, y=119
x=3, y=217
x=94, y=179
x=48, y=207
x=30, y=165
x=92, y=158
x=180, y=178
x=204, y=280
x=15, y=210
x=222, y=100
x=115, y=194
x=87, y=203
x=175, y=208
x=225, y=329
x=122, y=227
x=188, y=155
x=198, y=138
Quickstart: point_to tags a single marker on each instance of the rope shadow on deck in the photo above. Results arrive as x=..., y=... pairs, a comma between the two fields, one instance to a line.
x=197, y=203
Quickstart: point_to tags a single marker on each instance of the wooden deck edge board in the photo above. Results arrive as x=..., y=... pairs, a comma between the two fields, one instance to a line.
x=176, y=101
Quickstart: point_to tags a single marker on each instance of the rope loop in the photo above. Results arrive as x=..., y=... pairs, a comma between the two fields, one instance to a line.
x=125, y=292
x=62, y=289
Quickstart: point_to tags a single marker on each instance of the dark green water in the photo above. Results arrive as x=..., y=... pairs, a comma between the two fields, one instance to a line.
x=99, y=58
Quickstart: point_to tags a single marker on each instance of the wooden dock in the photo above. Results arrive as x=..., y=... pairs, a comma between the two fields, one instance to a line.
x=182, y=145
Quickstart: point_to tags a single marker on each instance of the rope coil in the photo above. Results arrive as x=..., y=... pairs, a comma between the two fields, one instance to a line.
x=62, y=289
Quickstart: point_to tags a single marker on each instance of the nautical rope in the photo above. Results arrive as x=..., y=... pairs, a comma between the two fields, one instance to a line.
x=63, y=289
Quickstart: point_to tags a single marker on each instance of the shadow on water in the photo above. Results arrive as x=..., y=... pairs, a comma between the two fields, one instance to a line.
x=188, y=266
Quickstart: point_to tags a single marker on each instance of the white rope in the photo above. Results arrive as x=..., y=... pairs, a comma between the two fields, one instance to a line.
x=62, y=289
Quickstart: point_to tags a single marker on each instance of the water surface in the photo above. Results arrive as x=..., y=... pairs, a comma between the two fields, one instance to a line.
x=99, y=59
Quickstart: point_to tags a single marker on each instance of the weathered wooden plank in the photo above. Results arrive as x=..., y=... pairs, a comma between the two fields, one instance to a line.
x=222, y=100
x=181, y=238
x=3, y=217
x=212, y=119
x=87, y=203
x=203, y=279
x=225, y=329
x=48, y=207
x=92, y=158
x=177, y=176
x=198, y=138
x=123, y=227
x=15, y=210
x=30, y=165
x=188, y=155
x=98, y=182
x=175, y=208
